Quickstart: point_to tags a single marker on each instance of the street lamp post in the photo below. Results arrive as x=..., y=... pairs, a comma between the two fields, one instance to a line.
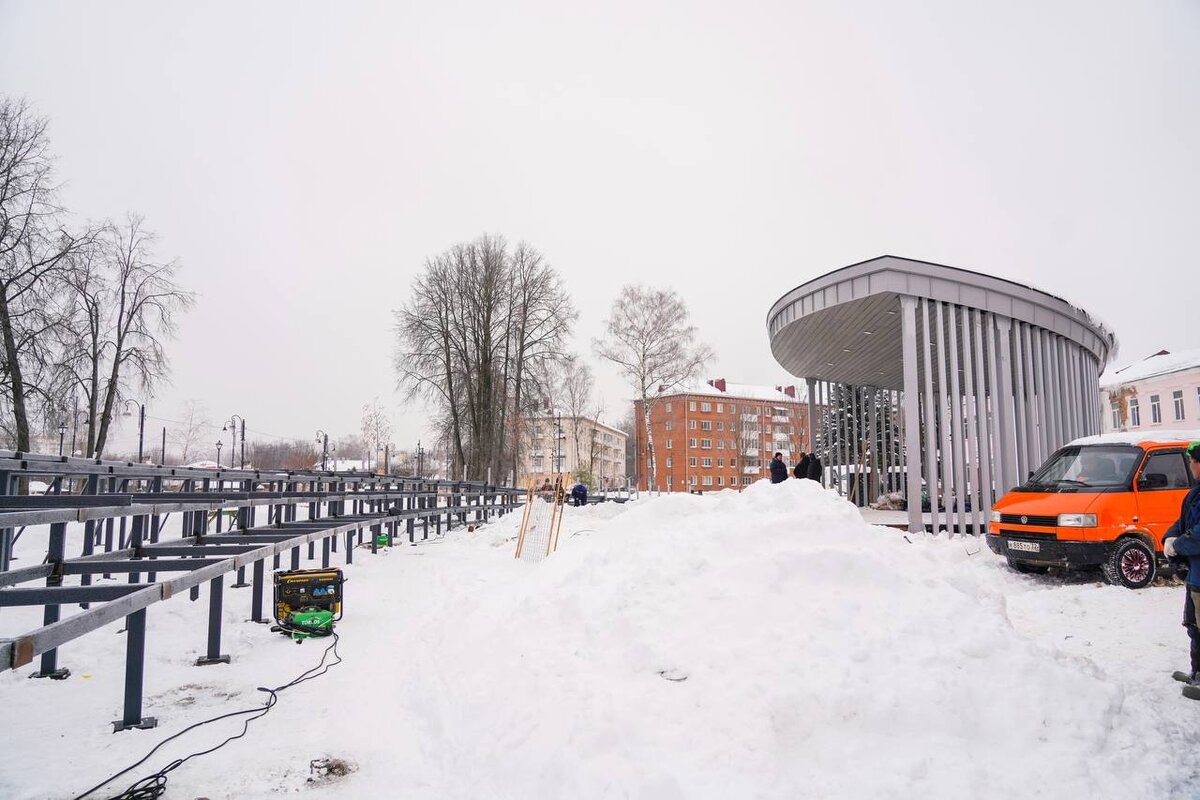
x=141, y=424
x=62, y=436
x=232, y=427
x=323, y=440
x=558, y=454
x=218, y=453
x=420, y=458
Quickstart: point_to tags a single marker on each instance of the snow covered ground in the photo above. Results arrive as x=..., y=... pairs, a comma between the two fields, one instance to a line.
x=763, y=644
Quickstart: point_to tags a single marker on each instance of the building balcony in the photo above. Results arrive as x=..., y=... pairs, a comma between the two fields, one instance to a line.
x=784, y=420
x=751, y=470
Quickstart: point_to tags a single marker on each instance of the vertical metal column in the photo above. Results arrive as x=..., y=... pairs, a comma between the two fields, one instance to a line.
x=1033, y=451
x=1019, y=405
x=1004, y=406
x=135, y=658
x=947, y=451
x=970, y=389
x=912, y=428
x=810, y=425
x=956, y=421
x=256, y=598
x=50, y=613
x=931, y=453
x=216, y=593
x=982, y=426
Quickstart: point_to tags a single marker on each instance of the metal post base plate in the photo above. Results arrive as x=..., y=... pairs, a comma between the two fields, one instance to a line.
x=242, y=585
x=56, y=675
x=145, y=724
x=204, y=661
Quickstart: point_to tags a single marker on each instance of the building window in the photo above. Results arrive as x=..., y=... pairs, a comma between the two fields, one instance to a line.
x=1155, y=410
x=669, y=464
x=667, y=425
x=692, y=480
x=691, y=442
x=1135, y=413
x=1177, y=397
x=733, y=462
x=1116, y=417
x=720, y=462
x=669, y=443
x=706, y=462
x=692, y=461
x=720, y=426
x=706, y=406
x=705, y=425
x=691, y=405
x=720, y=481
x=720, y=444
x=691, y=424
x=708, y=480
x=706, y=444
x=745, y=480
x=668, y=408
x=720, y=408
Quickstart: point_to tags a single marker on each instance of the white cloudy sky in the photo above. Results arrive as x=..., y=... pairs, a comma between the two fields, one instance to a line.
x=302, y=159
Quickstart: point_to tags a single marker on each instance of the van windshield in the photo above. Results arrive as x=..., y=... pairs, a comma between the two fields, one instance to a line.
x=1093, y=465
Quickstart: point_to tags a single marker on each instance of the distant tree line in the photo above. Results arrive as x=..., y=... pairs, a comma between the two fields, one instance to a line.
x=84, y=310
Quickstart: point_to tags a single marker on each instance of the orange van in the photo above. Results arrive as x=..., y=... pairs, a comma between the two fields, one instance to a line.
x=1102, y=501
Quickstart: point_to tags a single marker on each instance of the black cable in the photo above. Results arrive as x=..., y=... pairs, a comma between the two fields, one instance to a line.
x=153, y=786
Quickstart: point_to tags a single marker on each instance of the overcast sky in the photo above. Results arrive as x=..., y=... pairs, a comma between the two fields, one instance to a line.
x=301, y=160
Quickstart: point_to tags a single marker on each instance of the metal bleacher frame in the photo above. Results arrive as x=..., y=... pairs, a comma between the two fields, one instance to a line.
x=124, y=506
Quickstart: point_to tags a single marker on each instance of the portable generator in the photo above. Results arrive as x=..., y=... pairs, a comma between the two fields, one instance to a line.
x=307, y=602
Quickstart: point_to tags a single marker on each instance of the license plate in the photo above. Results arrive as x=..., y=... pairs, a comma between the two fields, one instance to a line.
x=1028, y=547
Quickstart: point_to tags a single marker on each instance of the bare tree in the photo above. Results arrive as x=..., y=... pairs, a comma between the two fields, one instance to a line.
x=125, y=304
x=33, y=249
x=376, y=427
x=480, y=318
x=648, y=337
x=192, y=427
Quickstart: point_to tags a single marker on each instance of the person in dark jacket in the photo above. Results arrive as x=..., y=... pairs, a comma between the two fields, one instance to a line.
x=801, y=468
x=1183, y=539
x=779, y=470
x=815, y=472
x=579, y=494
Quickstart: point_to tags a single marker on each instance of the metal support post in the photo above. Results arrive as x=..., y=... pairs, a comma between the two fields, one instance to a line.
x=50, y=615
x=256, y=596
x=135, y=658
x=216, y=592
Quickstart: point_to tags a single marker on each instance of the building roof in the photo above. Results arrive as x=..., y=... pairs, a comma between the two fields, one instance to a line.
x=739, y=391
x=845, y=326
x=1161, y=363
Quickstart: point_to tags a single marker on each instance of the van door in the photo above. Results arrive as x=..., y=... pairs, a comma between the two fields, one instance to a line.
x=1159, y=497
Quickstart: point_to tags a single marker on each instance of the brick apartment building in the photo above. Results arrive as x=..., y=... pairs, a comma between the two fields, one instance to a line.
x=718, y=435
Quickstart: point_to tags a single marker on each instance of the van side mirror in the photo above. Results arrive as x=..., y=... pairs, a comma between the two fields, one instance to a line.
x=1152, y=480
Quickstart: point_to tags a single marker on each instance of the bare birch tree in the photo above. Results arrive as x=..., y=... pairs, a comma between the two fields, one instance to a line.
x=187, y=435
x=376, y=427
x=649, y=339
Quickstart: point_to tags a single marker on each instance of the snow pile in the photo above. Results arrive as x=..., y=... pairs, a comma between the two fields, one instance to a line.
x=762, y=644
x=1139, y=437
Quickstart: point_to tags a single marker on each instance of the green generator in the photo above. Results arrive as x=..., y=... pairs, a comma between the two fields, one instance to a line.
x=307, y=602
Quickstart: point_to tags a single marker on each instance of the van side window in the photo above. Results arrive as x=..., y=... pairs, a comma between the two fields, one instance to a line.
x=1170, y=465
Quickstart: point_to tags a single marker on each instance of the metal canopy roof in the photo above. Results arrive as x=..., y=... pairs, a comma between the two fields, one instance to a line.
x=845, y=325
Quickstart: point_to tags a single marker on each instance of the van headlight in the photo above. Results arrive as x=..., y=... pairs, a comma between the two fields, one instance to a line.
x=994, y=516
x=1076, y=520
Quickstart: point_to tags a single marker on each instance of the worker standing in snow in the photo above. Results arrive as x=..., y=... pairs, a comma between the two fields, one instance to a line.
x=814, y=469
x=1183, y=539
x=779, y=470
x=801, y=468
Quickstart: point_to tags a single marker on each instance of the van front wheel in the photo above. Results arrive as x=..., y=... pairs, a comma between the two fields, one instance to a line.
x=1130, y=564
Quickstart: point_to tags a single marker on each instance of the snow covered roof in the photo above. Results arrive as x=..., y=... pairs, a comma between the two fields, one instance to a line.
x=1141, y=437
x=740, y=391
x=1161, y=363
